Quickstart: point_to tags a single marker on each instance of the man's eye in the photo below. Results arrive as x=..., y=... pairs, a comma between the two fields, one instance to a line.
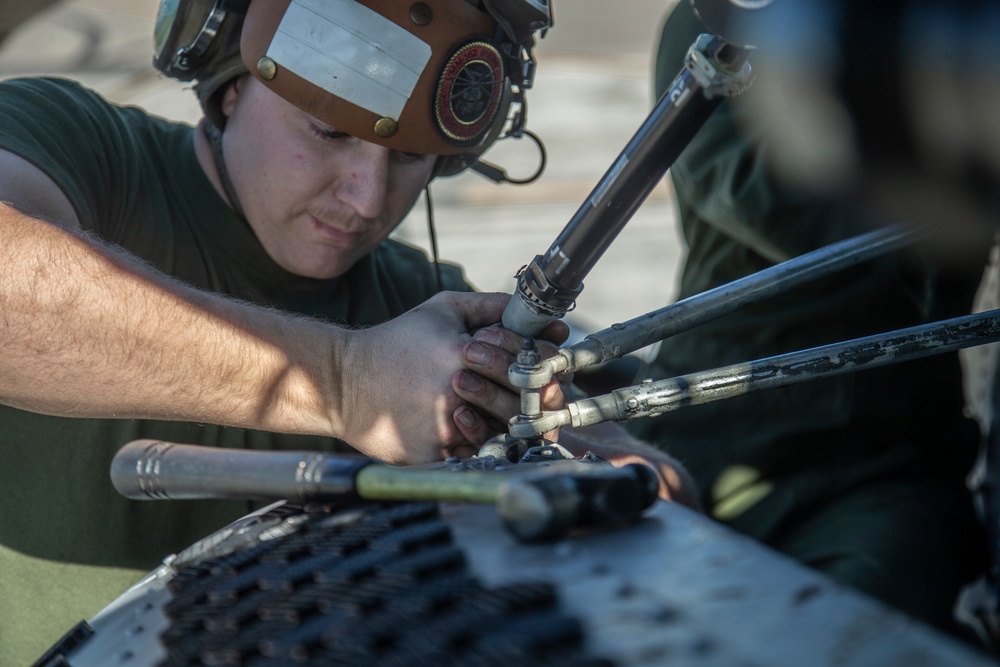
x=327, y=133
x=409, y=157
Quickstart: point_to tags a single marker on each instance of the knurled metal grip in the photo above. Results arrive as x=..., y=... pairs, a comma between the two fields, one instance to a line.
x=157, y=470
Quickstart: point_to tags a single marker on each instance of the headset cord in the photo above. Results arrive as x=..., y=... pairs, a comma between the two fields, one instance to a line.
x=433, y=237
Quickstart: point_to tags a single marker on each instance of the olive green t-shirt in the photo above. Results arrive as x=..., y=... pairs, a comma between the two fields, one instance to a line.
x=69, y=544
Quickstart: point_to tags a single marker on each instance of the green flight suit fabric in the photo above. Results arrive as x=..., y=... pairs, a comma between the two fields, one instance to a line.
x=862, y=475
x=69, y=544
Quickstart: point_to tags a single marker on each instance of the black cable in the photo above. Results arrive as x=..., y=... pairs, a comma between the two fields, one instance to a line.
x=433, y=236
x=541, y=164
x=498, y=175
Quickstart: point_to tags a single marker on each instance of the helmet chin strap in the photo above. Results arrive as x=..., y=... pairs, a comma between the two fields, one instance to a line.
x=214, y=136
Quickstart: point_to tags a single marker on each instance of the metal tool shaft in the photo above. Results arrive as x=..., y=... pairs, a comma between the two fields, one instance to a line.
x=156, y=470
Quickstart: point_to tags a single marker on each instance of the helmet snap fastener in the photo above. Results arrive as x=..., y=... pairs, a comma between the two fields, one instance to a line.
x=386, y=127
x=420, y=13
x=267, y=68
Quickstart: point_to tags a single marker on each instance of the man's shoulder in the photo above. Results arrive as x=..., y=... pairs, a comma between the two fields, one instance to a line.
x=53, y=98
x=101, y=155
x=49, y=90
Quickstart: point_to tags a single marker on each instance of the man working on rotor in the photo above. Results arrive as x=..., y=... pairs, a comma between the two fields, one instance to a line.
x=131, y=247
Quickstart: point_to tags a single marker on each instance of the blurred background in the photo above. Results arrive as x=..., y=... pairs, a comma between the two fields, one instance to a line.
x=593, y=89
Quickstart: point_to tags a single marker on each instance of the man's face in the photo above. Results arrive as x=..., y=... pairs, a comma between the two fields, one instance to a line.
x=318, y=200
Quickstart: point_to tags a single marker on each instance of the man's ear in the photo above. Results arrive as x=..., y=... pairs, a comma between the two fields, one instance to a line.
x=231, y=95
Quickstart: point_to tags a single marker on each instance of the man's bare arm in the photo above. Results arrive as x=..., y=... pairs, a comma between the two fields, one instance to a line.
x=89, y=330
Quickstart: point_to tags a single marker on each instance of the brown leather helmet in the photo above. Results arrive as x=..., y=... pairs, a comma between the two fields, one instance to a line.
x=438, y=77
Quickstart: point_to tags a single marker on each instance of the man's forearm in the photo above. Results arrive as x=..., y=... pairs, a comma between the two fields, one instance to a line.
x=87, y=330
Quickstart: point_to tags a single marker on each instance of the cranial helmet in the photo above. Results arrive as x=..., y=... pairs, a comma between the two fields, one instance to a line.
x=438, y=77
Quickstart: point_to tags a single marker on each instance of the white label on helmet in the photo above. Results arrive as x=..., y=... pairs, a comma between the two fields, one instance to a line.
x=351, y=51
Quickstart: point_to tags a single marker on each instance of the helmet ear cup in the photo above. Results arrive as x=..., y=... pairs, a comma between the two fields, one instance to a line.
x=450, y=165
x=199, y=40
x=190, y=35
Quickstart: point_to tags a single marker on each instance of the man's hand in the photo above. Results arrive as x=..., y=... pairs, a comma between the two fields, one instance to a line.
x=90, y=331
x=398, y=401
x=612, y=442
x=485, y=387
x=490, y=398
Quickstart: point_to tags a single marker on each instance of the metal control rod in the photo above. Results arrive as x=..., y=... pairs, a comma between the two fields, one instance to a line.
x=654, y=398
x=621, y=339
x=547, y=288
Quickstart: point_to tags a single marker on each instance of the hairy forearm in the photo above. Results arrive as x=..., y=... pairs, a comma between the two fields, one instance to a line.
x=88, y=330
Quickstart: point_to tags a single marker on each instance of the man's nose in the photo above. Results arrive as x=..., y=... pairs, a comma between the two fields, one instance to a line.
x=365, y=181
